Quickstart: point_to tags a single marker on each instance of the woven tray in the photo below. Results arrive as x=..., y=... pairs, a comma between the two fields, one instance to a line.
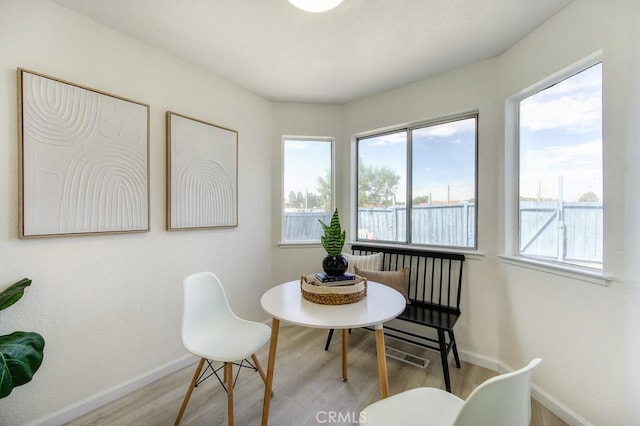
x=334, y=295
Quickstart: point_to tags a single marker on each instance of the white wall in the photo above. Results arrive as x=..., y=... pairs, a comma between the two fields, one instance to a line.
x=109, y=306
x=583, y=331
x=632, y=223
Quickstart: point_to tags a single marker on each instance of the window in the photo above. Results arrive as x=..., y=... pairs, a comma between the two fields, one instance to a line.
x=307, y=187
x=417, y=185
x=560, y=171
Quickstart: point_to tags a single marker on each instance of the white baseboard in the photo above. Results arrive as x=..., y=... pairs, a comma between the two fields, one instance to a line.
x=100, y=399
x=549, y=402
x=480, y=360
x=558, y=408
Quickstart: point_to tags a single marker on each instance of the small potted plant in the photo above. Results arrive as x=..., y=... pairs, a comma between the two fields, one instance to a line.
x=333, y=241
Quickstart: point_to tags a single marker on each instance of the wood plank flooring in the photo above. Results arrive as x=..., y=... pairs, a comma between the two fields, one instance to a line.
x=308, y=387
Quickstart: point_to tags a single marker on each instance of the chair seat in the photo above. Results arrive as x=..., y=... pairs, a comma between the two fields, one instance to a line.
x=430, y=316
x=242, y=340
x=423, y=406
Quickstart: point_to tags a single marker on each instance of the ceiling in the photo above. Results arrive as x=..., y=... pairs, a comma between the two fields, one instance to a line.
x=362, y=47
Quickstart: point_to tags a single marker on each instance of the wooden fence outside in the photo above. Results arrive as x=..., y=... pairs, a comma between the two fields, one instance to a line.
x=567, y=232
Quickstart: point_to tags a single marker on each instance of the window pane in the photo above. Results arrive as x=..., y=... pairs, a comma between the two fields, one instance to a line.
x=382, y=182
x=560, y=149
x=307, y=188
x=444, y=184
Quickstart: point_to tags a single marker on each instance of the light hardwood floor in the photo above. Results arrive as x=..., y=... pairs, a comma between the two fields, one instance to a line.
x=307, y=384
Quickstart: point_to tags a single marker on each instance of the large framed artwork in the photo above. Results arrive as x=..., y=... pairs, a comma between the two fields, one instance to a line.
x=84, y=165
x=202, y=174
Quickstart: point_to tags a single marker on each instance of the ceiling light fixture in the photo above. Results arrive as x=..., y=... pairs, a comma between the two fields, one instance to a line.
x=315, y=6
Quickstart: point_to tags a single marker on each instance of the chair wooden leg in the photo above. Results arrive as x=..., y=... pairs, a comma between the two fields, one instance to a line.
x=454, y=347
x=271, y=363
x=254, y=358
x=185, y=401
x=326, y=345
x=443, y=357
x=260, y=370
x=228, y=372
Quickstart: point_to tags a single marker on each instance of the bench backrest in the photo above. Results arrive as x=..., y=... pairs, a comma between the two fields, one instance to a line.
x=435, y=277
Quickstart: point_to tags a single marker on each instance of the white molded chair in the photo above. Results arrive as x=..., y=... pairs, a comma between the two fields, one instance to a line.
x=213, y=332
x=503, y=400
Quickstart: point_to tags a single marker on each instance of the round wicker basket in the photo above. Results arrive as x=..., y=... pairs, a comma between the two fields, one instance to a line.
x=333, y=295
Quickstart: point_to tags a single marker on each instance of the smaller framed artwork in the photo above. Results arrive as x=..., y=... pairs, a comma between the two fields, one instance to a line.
x=202, y=174
x=83, y=166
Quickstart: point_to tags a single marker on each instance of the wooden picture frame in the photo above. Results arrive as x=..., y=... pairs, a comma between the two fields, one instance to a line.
x=202, y=174
x=83, y=159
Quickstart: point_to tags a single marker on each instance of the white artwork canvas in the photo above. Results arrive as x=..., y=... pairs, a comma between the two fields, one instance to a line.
x=202, y=174
x=84, y=155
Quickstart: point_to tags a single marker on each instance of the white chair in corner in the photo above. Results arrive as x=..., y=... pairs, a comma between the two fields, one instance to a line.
x=503, y=400
x=211, y=331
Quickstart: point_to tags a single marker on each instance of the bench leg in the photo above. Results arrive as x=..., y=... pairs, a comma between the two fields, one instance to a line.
x=443, y=357
x=454, y=347
x=326, y=345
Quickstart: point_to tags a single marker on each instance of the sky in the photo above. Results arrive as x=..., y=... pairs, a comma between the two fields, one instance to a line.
x=561, y=136
x=443, y=159
x=306, y=160
x=560, y=140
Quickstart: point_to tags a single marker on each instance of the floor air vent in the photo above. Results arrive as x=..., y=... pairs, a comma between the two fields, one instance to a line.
x=405, y=357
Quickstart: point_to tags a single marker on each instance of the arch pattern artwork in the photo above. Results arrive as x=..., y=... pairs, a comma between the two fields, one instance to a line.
x=84, y=155
x=202, y=174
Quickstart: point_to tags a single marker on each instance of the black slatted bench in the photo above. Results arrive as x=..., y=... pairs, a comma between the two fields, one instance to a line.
x=434, y=288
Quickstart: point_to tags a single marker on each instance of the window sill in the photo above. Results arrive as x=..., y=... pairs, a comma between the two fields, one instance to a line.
x=568, y=271
x=299, y=244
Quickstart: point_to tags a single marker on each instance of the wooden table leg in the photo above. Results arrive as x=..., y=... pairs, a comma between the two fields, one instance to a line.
x=382, y=362
x=344, y=354
x=275, y=325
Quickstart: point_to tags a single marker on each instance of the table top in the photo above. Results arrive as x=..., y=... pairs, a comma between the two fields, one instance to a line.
x=285, y=302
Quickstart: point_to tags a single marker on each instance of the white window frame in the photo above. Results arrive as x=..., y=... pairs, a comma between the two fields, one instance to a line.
x=331, y=140
x=408, y=128
x=512, y=181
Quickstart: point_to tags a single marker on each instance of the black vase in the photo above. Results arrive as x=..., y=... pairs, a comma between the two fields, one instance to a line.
x=335, y=265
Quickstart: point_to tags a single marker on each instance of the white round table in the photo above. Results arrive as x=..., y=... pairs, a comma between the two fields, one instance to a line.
x=285, y=302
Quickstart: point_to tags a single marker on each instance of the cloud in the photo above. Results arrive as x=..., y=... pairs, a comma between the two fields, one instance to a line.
x=574, y=104
x=295, y=144
x=580, y=166
x=390, y=139
x=446, y=130
x=561, y=158
x=575, y=113
x=441, y=131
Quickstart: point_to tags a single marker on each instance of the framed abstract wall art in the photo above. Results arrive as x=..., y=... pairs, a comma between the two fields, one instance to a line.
x=84, y=164
x=202, y=174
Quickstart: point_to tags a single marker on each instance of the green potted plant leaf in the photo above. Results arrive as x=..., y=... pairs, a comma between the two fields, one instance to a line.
x=333, y=241
x=21, y=352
